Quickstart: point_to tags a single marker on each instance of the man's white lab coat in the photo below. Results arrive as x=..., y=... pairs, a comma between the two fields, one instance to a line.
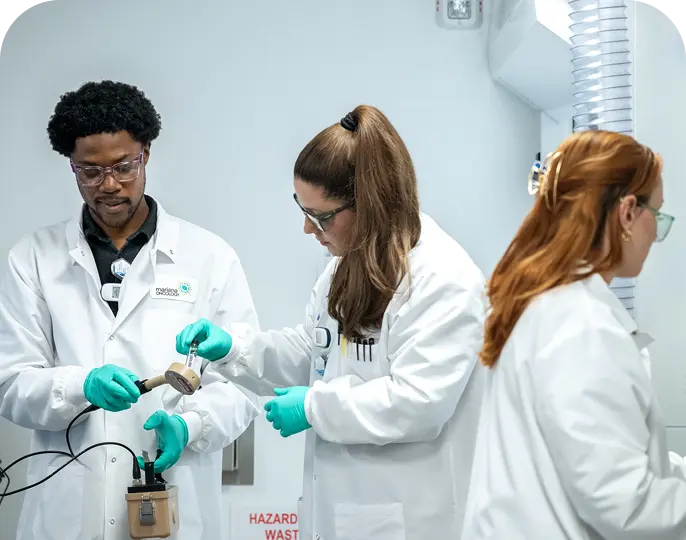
x=55, y=328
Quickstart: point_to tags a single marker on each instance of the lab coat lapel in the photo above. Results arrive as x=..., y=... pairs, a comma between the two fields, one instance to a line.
x=603, y=292
x=80, y=251
x=642, y=339
x=140, y=278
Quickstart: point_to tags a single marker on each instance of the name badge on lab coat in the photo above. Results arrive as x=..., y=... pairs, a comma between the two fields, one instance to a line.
x=174, y=288
x=110, y=292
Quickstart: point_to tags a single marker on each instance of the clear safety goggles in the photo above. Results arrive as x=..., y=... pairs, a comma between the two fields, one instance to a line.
x=323, y=222
x=664, y=222
x=93, y=175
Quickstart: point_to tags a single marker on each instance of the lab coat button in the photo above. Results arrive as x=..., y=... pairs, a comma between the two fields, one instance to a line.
x=111, y=338
x=111, y=521
x=314, y=476
x=114, y=460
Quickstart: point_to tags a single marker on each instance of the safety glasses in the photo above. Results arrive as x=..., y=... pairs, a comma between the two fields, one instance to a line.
x=92, y=176
x=323, y=222
x=664, y=222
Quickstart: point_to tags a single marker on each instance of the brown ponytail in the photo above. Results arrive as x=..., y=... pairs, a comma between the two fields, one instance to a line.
x=371, y=166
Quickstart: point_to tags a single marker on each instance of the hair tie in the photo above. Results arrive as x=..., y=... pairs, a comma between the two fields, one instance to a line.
x=349, y=122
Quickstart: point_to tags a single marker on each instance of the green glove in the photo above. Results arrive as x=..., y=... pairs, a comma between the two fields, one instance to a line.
x=111, y=388
x=172, y=438
x=287, y=412
x=213, y=342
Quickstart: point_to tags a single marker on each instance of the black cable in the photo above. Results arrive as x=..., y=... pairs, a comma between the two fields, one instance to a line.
x=136, y=468
x=86, y=410
x=3, y=474
x=63, y=466
x=70, y=454
x=33, y=454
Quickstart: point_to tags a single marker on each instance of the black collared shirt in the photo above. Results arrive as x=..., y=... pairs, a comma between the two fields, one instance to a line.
x=104, y=251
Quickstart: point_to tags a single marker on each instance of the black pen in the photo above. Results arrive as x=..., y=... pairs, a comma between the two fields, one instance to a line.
x=371, y=344
x=357, y=348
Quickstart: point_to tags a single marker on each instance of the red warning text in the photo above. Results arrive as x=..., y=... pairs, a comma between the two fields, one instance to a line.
x=273, y=519
x=278, y=533
x=281, y=534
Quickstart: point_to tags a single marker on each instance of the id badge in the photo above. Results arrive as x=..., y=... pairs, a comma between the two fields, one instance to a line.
x=110, y=292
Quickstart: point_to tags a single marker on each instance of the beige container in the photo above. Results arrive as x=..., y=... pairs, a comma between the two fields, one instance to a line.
x=182, y=378
x=153, y=514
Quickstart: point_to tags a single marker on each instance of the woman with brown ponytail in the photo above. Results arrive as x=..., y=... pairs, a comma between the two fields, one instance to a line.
x=571, y=444
x=382, y=374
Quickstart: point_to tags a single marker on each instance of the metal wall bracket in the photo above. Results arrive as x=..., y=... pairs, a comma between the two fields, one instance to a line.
x=238, y=460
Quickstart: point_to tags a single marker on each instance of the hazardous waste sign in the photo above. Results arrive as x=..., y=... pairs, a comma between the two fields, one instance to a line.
x=274, y=523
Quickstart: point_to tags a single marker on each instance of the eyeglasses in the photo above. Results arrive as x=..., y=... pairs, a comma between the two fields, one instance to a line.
x=323, y=222
x=123, y=172
x=664, y=222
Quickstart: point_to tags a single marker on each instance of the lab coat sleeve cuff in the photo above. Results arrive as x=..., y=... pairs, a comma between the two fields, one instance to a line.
x=194, y=424
x=309, y=413
x=69, y=386
x=229, y=364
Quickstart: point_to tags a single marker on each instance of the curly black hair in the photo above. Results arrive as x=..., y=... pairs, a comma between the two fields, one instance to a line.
x=102, y=107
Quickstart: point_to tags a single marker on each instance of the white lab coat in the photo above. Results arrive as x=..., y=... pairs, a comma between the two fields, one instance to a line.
x=571, y=443
x=54, y=328
x=390, y=452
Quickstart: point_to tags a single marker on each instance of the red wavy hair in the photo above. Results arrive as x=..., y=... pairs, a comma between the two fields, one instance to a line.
x=567, y=225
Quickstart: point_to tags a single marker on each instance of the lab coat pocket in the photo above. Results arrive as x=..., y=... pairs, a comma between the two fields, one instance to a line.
x=61, y=511
x=369, y=521
x=160, y=328
x=366, y=359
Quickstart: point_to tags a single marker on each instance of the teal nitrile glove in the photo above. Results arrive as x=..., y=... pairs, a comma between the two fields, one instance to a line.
x=172, y=438
x=111, y=388
x=213, y=342
x=287, y=412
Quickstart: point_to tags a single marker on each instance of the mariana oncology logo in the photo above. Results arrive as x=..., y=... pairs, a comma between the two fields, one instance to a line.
x=181, y=289
x=185, y=288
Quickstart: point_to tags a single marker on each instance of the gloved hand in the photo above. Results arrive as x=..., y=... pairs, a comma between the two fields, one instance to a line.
x=111, y=388
x=213, y=342
x=287, y=412
x=172, y=438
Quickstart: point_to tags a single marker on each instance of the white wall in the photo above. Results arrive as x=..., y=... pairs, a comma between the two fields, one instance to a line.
x=241, y=87
x=660, y=84
x=556, y=126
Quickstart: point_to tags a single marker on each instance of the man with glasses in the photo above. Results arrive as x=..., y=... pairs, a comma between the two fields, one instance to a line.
x=91, y=305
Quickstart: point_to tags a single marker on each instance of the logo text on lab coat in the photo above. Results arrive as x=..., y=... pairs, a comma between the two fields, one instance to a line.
x=171, y=288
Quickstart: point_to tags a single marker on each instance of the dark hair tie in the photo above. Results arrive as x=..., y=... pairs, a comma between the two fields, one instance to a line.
x=349, y=122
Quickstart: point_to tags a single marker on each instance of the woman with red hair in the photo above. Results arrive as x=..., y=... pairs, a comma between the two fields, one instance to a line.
x=571, y=444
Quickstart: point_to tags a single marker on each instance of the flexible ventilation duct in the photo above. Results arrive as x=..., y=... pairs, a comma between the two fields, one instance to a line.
x=602, y=86
x=601, y=65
